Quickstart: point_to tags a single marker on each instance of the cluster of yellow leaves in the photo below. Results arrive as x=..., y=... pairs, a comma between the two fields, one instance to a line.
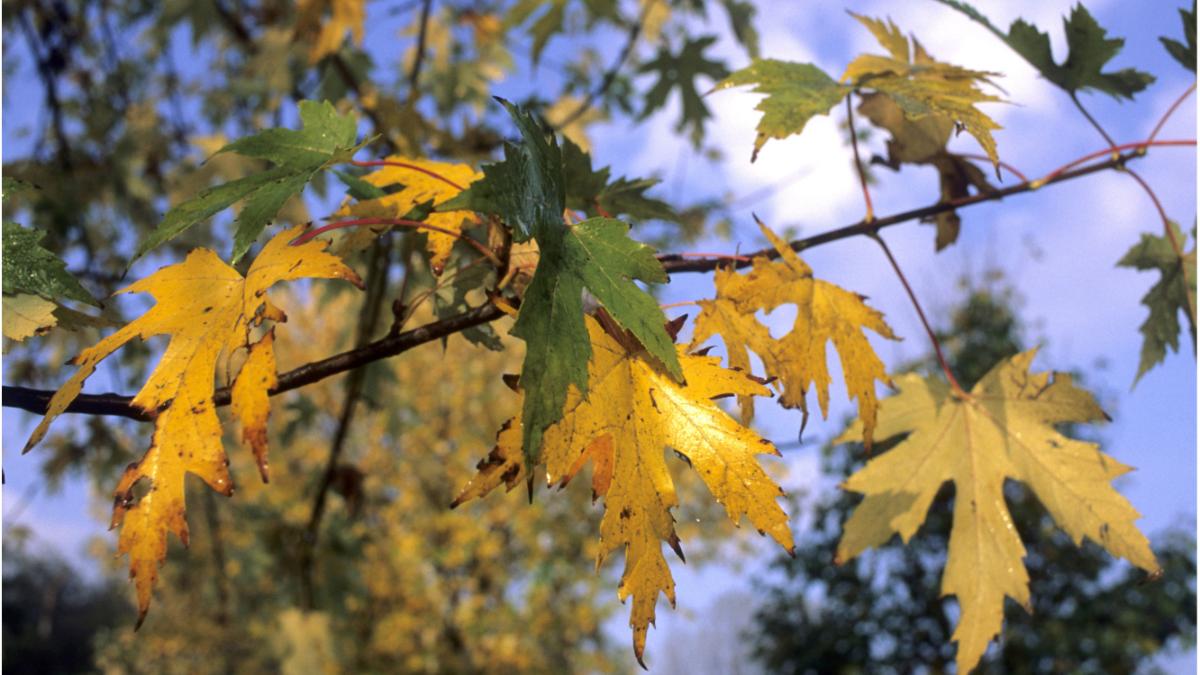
x=210, y=313
x=326, y=35
x=923, y=86
x=1005, y=428
x=824, y=313
x=633, y=412
x=423, y=181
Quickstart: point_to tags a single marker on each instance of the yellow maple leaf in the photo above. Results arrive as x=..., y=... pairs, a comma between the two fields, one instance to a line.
x=1005, y=428
x=923, y=86
x=825, y=313
x=423, y=181
x=632, y=414
x=326, y=35
x=26, y=315
x=208, y=309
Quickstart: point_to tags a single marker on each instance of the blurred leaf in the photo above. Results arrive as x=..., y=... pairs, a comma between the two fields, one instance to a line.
x=679, y=71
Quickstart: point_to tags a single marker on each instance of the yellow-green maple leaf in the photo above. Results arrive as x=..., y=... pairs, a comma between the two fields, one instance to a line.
x=208, y=309
x=923, y=86
x=824, y=313
x=26, y=315
x=633, y=413
x=423, y=181
x=1004, y=429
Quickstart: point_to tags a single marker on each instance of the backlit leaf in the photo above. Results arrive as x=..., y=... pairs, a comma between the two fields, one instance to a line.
x=1004, y=429
x=208, y=309
x=824, y=313
x=422, y=181
x=633, y=414
x=796, y=92
x=922, y=86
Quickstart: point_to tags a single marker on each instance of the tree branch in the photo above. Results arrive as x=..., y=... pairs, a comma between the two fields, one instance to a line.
x=36, y=400
x=675, y=263
x=610, y=75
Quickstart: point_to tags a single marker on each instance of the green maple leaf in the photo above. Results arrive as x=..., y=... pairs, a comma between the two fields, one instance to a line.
x=1089, y=49
x=28, y=268
x=796, y=93
x=326, y=138
x=591, y=191
x=1166, y=298
x=679, y=71
x=1186, y=55
x=527, y=191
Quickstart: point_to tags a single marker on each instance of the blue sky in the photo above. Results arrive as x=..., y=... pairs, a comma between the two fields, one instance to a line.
x=1057, y=246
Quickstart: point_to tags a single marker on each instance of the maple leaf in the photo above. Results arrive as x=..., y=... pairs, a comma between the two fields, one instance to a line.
x=591, y=191
x=796, y=92
x=1185, y=55
x=27, y=315
x=679, y=71
x=208, y=309
x=1174, y=292
x=824, y=313
x=29, y=268
x=922, y=86
x=1088, y=50
x=1004, y=429
x=633, y=413
x=327, y=35
x=527, y=191
x=923, y=142
x=423, y=181
x=326, y=139
x=35, y=280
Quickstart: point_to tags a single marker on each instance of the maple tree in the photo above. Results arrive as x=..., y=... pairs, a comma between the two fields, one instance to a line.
x=542, y=236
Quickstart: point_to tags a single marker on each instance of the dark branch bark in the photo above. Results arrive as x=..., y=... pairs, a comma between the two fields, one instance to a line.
x=36, y=400
x=674, y=263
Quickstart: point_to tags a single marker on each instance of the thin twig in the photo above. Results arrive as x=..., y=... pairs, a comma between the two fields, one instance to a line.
x=414, y=75
x=674, y=263
x=412, y=167
x=397, y=222
x=1171, y=111
x=858, y=166
x=610, y=75
x=937, y=345
x=1092, y=120
x=1176, y=245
